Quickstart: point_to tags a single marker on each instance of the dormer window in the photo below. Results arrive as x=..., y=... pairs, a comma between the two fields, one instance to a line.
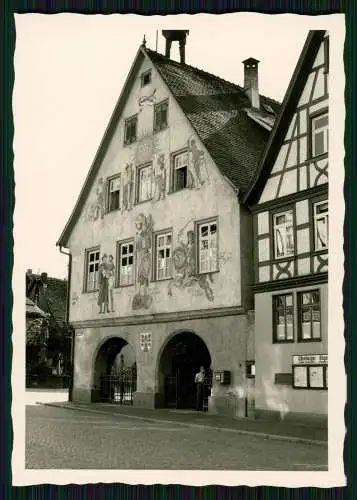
x=146, y=78
x=130, y=130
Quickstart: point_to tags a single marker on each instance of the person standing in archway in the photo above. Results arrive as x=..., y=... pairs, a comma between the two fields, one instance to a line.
x=199, y=381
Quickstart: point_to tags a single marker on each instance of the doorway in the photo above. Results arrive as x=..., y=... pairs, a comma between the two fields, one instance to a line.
x=115, y=373
x=180, y=361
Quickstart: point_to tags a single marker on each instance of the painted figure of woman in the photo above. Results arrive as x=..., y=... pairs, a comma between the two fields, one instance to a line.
x=111, y=281
x=103, y=285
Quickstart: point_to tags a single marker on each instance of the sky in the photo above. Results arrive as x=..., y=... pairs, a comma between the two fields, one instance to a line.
x=69, y=72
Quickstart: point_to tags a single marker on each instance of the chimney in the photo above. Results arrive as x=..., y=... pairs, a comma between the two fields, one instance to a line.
x=251, y=86
x=176, y=36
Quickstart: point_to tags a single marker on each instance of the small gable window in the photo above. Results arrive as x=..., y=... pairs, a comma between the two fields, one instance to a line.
x=180, y=171
x=91, y=269
x=130, y=130
x=160, y=116
x=283, y=234
x=319, y=135
x=113, y=201
x=146, y=78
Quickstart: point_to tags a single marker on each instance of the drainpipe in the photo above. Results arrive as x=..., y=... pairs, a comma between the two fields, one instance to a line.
x=67, y=318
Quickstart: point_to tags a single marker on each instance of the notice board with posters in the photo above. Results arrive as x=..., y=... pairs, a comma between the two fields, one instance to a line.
x=310, y=371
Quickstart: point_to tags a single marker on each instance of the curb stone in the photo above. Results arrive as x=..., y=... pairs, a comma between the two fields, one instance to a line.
x=263, y=435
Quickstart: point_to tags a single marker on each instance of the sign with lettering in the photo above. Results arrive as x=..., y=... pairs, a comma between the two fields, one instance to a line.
x=310, y=359
x=145, y=341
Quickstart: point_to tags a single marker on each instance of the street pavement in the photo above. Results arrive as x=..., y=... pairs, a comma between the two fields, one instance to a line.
x=35, y=396
x=62, y=438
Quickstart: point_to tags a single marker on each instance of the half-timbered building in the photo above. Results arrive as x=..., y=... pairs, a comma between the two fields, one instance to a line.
x=289, y=199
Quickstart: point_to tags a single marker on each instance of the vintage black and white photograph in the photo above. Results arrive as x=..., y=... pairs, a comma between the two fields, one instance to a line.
x=178, y=249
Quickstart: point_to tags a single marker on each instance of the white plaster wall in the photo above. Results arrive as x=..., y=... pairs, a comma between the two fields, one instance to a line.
x=215, y=198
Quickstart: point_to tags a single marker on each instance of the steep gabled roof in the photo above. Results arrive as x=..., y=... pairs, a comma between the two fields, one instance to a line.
x=32, y=310
x=286, y=113
x=219, y=112
x=51, y=299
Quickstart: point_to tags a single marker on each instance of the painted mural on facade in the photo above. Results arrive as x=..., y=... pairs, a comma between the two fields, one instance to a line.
x=160, y=178
x=198, y=173
x=143, y=251
x=184, y=262
x=147, y=100
x=128, y=187
x=106, y=282
x=96, y=209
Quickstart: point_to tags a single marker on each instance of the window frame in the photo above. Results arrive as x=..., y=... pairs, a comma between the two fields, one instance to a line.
x=198, y=225
x=314, y=204
x=275, y=297
x=126, y=123
x=316, y=116
x=157, y=235
x=311, y=305
x=139, y=168
x=174, y=155
x=274, y=214
x=308, y=378
x=120, y=244
x=145, y=74
x=107, y=205
x=87, y=252
x=157, y=107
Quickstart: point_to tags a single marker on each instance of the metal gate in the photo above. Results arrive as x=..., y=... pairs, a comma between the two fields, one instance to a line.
x=118, y=388
x=174, y=390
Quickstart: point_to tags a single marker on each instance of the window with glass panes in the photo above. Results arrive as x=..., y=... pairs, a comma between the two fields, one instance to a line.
x=283, y=318
x=309, y=315
x=92, y=265
x=180, y=171
x=113, y=202
x=126, y=263
x=163, y=256
x=144, y=184
x=321, y=225
x=130, y=130
x=283, y=227
x=319, y=135
x=207, y=247
x=160, y=116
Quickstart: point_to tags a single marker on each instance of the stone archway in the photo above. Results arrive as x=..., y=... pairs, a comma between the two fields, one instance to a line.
x=114, y=372
x=180, y=360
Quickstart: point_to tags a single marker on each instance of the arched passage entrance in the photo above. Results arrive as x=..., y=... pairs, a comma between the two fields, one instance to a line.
x=114, y=375
x=179, y=362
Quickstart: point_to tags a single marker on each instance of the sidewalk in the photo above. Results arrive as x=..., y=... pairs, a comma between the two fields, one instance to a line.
x=313, y=433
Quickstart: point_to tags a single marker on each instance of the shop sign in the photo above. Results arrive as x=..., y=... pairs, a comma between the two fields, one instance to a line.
x=145, y=341
x=310, y=359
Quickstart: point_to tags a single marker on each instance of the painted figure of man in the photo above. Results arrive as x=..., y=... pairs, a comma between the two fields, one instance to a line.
x=184, y=263
x=160, y=179
x=128, y=187
x=111, y=281
x=99, y=206
x=196, y=157
x=143, y=256
x=103, y=285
